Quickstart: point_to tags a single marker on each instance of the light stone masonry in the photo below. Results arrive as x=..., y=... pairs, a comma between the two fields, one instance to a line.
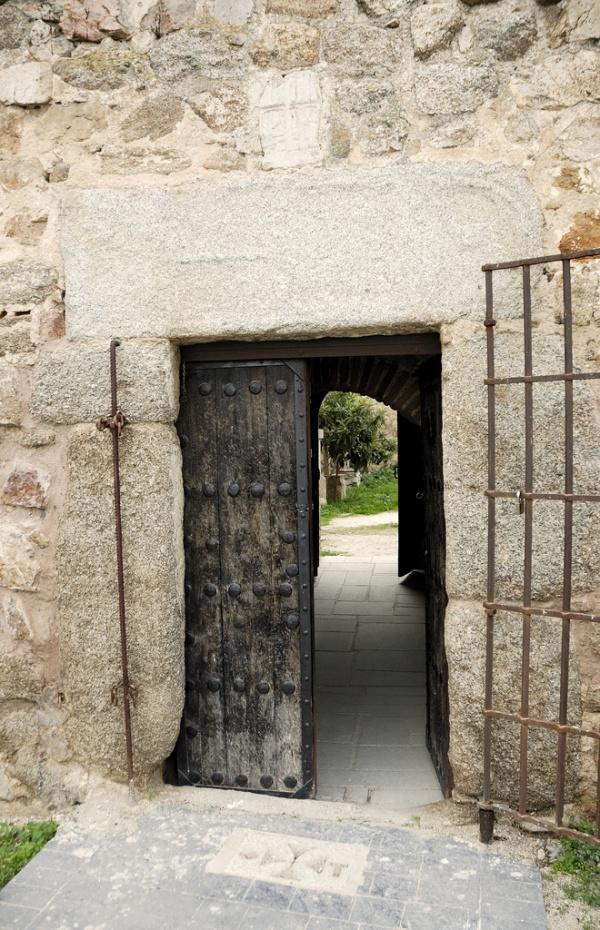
x=177, y=172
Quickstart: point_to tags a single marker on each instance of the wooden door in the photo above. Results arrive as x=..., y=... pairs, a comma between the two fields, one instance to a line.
x=248, y=703
x=438, y=707
x=410, y=497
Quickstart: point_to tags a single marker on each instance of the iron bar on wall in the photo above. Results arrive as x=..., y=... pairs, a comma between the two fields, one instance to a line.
x=115, y=423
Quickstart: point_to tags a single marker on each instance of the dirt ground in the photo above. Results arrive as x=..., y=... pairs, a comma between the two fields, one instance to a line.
x=359, y=536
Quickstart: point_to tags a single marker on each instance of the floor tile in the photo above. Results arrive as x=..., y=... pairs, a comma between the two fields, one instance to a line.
x=262, y=918
x=375, y=912
x=385, y=731
x=427, y=917
x=335, y=728
x=406, y=660
x=319, y=904
x=334, y=640
x=15, y=916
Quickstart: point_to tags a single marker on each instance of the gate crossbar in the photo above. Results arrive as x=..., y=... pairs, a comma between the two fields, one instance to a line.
x=527, y=609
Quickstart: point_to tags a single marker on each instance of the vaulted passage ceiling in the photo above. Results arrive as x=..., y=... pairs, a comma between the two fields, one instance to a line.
x=393, y=381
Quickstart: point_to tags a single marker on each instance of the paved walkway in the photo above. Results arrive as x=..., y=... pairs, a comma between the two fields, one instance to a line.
x=370, y=686
x=176, y=868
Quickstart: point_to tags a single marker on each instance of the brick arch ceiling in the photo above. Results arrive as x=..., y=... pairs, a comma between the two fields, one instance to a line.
x=393, y=381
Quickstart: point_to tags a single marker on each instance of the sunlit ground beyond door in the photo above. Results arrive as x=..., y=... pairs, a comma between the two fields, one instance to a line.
x=370, y=680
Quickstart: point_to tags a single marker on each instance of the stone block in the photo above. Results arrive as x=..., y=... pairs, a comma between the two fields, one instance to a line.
x=92, y=20
x=222, y=106
x=233, y=12
x=11, y=125
x=14, y=622
x=386, y=130
x=11, y=405
x=560, y=80
x=340, y=140
x=434, y=25
x=579, y=21
x=27, y=227
x=197, y=53
x=157, y=116
x=152, y=499
x=72, y=122
x=358, y=50
x=26, y=486
x=138, y=159
x=19, y=568
x=287, y=46
x=465, y=649
x=18, y=725
x=389, y=13
x=105, y=69
x=289, y=118
x=307, y=9
x=19, y=678
x=222, y=158
x=15, y=27
x=15, y=337
x=24, y=282
x=26, y=85
x=509, y=33
x=270, y=258
x=72, y=385
x=365, y=96
x=447, y=87
x=17, y=172
x=584, y=232
x=169, y=16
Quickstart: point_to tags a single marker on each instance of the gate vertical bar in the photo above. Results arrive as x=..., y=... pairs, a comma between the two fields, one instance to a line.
x=528, y=542
x=115, y=423
x=486, y=816
x=568, y=542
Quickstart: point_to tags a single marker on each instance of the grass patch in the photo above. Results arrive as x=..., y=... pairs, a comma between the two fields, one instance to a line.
x=581, y=862
x=376, y=493
x=325, y=551
x=20, y=844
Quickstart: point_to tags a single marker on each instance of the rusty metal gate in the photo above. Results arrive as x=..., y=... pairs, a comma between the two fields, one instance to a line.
x=248, y=698
x=527, y=610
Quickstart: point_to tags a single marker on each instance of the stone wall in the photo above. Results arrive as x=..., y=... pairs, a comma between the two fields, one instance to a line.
x=177, y=171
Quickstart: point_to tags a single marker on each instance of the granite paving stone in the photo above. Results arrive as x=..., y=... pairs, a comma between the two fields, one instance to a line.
x=321, y=904
x=263, y=918
x=14, y=915
x=149, y=876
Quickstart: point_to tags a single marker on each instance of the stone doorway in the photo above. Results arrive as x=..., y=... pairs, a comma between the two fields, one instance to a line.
x=404, y=372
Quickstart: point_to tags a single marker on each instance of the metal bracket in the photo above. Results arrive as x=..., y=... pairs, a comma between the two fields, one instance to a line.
x=116, y=422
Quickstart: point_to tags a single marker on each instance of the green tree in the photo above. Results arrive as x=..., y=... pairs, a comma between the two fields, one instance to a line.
x=353, y=431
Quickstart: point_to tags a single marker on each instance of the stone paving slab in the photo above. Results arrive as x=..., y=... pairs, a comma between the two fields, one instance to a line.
x=156, y=876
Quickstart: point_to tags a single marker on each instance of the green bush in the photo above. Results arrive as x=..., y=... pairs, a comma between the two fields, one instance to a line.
x=20, y=844
x=354, y=431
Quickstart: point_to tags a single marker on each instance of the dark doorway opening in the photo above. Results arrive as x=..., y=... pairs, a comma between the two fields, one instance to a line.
x=381, y=674
x=401, y=371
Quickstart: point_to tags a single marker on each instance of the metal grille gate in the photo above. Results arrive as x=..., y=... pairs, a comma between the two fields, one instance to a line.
x=528, y=610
